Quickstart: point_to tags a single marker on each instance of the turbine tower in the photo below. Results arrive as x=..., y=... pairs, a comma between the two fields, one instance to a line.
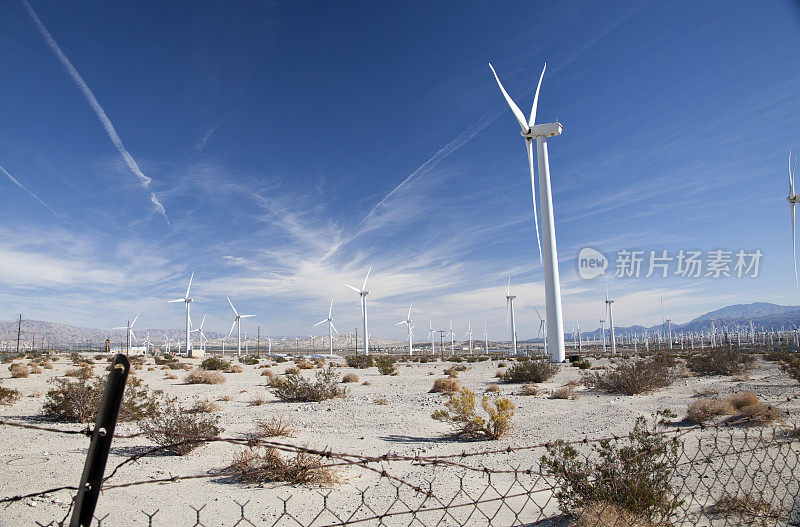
x=486, y=339
x=603, y=331
x=609, y=304
x=548, y=253
x=432, y=335
x=203, y=338
x=331, y=328
x=408, y=324
x=186, y=300
x=363, y=294
x=237, y=322
x=510, y=316
x=793, y=199
x=452, y=334
x=469, y=336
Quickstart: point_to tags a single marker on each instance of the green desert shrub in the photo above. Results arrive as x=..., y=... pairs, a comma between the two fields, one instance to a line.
x=720, y=361
x=77, y=401
x=179, y=430
x=215, y=363
x=632, y=377
x=360, y=361
x=248, y=361
x=295, y=387
x=201, y=376
x=530, y=371
x=386, y=365
x=460, y=414
x=634, y=474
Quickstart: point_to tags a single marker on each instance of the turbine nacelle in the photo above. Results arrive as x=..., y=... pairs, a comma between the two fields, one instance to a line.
x=543, y=130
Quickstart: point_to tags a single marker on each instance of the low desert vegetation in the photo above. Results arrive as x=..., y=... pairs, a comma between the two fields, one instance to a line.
x=266, y=372
x=259, y=401
x=350, y=377
x=292, y=370
x=304, y=364
x=215, y=364
x=248, y=361
x=360, y=361
x=77, y=401
x=386, y=365
x=19, y=371
x=205, y=407
x=535, y=371
x=8, y=396
x=47, y=365
x=202, y=376
x=297, y=388
x=749, y=507
x=268, y=466
x=632, y=377
x=742, y=407
x=529, y=389
x=445, y=385
x=277, y=426
x=566, y=392
x=633, y=474
x=582, y=364
x=460, y=414
x=177, y=430
x=720, y=361
x=493, y=388
x=381, y=401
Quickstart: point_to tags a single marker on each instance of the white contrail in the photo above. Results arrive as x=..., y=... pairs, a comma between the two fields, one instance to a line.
x=29, y=191
x=98, y=110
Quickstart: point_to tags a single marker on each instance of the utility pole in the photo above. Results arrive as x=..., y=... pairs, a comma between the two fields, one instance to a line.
x=19, y=331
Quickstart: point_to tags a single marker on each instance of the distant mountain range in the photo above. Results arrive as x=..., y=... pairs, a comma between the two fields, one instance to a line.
x=764, y=315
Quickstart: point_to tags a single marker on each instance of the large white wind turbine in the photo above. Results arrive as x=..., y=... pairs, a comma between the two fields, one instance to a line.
x=129, y=332
x=486, y=339
x=609, y=306
x=547, y=246
x=510, y=316
x=331, y=328
x=542, y=326
x=186, y=300
x=203, y=338
x=432, y=335
x=409, y=325
x=237, y=323
x=452, y=334
x=363, y=294
x=469, y=336
x=793, y=199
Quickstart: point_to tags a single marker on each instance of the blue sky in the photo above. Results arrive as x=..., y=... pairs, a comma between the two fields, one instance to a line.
x=293, y=145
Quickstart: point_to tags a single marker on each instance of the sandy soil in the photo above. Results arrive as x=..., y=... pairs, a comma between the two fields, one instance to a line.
x=33, y=461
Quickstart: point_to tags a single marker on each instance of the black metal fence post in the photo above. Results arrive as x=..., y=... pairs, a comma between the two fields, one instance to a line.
x=103, y=433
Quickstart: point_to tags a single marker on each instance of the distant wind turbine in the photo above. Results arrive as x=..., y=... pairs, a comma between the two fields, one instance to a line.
x=363, y=294
x=409, y=324
x=793, y=199
x=510, y=316
x=469, y=336
x=129, y=333
x=203, y=338
x=331, y=328
x=237, y=323
x=547, y=246
x=609, y=306
x=486, y=339
x=432, y=335
x=452, y=334
x=186, y=300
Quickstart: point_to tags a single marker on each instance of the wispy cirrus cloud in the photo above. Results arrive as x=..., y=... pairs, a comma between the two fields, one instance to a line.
x=29, y=191
x=98, y=110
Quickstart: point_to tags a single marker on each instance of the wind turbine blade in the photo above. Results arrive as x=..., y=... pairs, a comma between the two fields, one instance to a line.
x=234, y=309
x=409, y=311
x=334, y=328
x=190, y=284
x=330, y=311
x=537, y=313
x=177, y=300
x=321, y=322
x=134, y=320
x=508, y=286
x=364, y=287
x=532, y=120
x=353, y=288
x=514, y=108
x=202, y=322
x=401, y=323
x=529, y=148
x=246, y=316
x=232, y=326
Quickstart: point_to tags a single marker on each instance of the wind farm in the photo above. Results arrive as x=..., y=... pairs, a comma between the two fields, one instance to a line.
x=639, y=360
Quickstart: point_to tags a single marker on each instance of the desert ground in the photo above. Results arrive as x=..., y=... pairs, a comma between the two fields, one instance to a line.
x=358, y=423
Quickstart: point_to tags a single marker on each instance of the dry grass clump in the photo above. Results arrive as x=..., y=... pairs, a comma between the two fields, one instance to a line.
x=225, y=398
x=8, y=396
x=743, y=407
x=205, y=407
x=747, y=507
x=501, y=364
x=633, y=377
x=493, y=388
x=267, y=373
x=268, y=465
x=530, y=371
x=47, y=365
x=528, y=389
x=350, y=377
x=445, y=385
x=459, y=413
x=85, y=370
x=721, y=361
x=605, y=514
x=274, y=427
x=35, y=369
x=500, y=374
x=19, y=371
x=201, y=376
x=170, y=376
x=451, y=372
x=292, y=370
x=303, y=364
x=366, y=383
x=179, y=431
x=258, y=401
x=381, y=400
x=565, y=392
x=276, y=382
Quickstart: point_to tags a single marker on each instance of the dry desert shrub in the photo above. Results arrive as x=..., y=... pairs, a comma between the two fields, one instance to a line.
x=35, y=369
x=78, y=401
x=493, y=388
x=267, y=466
x=303, y=364
x=179, y=431
x=235, y=368
x=258, y=401
x=249, y=361
x=205, y=407
x=744, y=407
x=47, y=365
x=292, y=370
x=274, y=427
x=529, y=389
x=604, y=514
x=500, y=374
x=350, y=377
x=8, y=396
x=721, y=361
x=225, y=398
x=450, y=372
x=201, y=376
x=267, y=373
x=276, y=382
x=381, y=400
x=19, y=371
x=748, y=507
x=297, y=388
x=565, y=392
x=501, y=364
x=530, y=371
x=459, y=413
x=85, y=370
x=366, y=383
x=632, y=377
x=445, y=385
x=170, y=376
x=702, y=409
